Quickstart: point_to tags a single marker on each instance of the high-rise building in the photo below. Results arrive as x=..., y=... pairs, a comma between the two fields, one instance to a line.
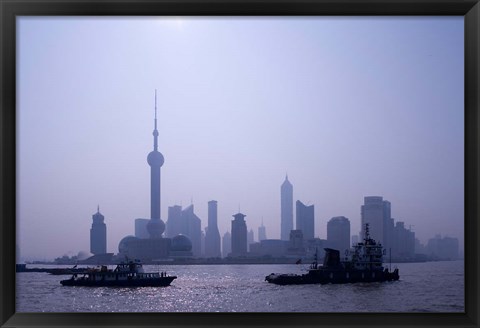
x=202, y=243
x=403, y=243
x=185, y=222
x=262, y=233
x=141, y=228
x=98, y=234
x=226, y=244
x=192, y=228
x=377, y=213
x=338, y=233
x=388, y=225
x=174, y=226
x=286, y=208
x=239, y=235
x=212, y=236
x=305, y=219
x=250, y=238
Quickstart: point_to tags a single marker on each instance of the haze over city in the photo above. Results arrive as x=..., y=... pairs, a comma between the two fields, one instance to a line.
x=347, y=107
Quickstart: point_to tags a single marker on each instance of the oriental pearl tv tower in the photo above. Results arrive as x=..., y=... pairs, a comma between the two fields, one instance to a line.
x=155, y=226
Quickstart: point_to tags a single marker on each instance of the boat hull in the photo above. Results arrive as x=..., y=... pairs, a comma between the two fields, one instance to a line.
x=332, y=277
x=154, y=282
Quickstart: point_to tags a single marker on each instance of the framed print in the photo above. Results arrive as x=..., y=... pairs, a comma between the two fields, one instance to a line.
x=252, y=163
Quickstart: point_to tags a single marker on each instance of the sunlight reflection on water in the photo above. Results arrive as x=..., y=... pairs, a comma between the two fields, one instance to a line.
x=423, y=287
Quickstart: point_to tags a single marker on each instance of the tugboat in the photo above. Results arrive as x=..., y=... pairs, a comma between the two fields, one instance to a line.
x=364, y=265
x=126, y=274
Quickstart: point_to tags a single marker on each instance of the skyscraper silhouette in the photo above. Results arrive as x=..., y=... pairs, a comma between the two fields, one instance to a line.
x=305, y=218
x=226, y=244
x=377, y=212
x=286, y=207
x=239, y=235
x=262, y=233
x=98, y=234
x=338, y=233
x=192, y=228
x=250, y=238
x=212, y=237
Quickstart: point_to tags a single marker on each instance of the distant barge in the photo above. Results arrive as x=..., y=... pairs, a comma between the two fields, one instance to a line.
x=55, y=271
x=364, y=265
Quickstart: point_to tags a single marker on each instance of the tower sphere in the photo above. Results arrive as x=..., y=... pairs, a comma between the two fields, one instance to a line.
x=155, y=158
x=124, y=244
x=155, y=228
x=181, y=243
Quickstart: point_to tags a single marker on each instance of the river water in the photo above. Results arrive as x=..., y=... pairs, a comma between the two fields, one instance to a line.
x=423, y=287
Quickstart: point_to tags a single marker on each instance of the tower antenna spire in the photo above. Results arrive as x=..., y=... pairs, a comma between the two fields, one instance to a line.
x=155, y=131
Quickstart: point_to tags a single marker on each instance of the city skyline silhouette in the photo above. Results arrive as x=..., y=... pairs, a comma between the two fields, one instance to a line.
x=241, y=103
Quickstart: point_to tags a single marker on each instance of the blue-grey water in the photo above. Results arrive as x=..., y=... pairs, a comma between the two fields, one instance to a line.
x=423, y=287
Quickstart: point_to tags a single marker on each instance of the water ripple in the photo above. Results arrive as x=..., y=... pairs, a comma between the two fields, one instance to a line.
x=423, y=287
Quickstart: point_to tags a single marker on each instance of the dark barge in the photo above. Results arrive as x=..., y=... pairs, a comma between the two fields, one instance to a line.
x=363, y=263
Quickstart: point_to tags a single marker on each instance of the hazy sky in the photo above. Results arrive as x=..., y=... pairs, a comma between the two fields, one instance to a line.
x=348, y=107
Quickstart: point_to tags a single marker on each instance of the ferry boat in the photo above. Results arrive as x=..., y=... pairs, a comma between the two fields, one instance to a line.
x=364, y=263
x=127, y=274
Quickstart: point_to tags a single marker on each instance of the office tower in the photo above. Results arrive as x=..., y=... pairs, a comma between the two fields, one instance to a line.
x=286, y=207
x=155, y=159
x=338, y=233
x=98, y=234
x=212, y=237
x=239, y=235
x=192, y=228
x=403, y=243
x=141, y=228
x=262, y=233
x=250, y=238
x=388, y=226
x=174, y=219
x=377, y=212
x=185, y=222
x=202, y=243
x=305, y=219
x=226, y=244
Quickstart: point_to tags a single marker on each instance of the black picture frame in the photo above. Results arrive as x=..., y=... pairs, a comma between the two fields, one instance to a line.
x=9, y=9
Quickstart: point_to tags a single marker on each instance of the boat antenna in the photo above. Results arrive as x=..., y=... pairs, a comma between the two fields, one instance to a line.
x=367, y=233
